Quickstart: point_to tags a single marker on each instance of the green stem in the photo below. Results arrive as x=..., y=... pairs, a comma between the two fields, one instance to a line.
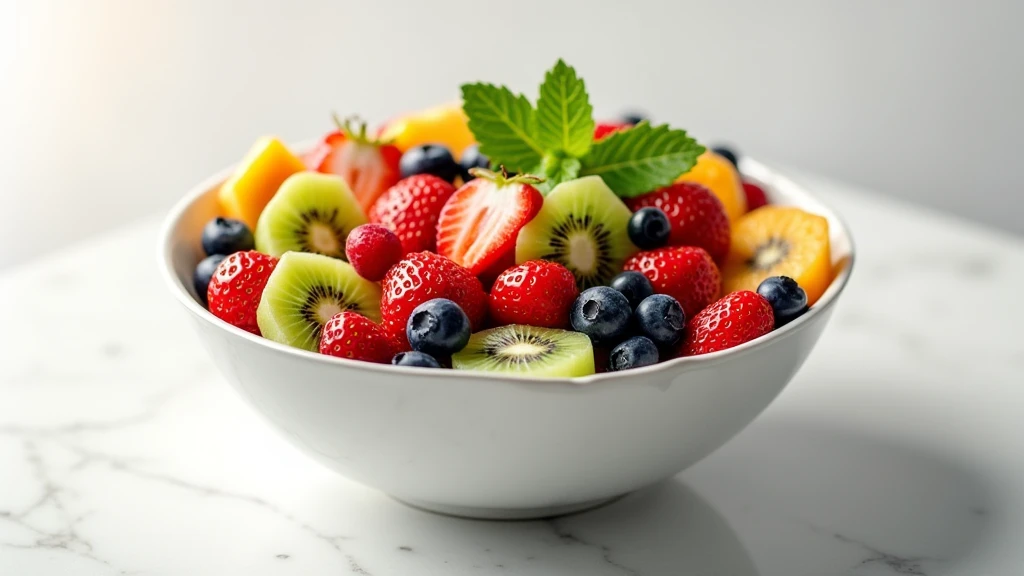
x=502, y=178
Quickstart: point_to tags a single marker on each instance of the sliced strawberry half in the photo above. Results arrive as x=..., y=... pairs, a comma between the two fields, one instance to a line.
x=369, y=166
x=480, y=222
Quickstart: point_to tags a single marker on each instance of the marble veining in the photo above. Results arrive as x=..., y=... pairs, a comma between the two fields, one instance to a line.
x=884, y=560
x=896, y=450
x=606, y=552
x=65, y=537
x=898, y=564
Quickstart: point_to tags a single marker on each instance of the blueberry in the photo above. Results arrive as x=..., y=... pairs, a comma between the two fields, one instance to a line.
x=418, y=359
x=633, y=118
x=787, y=298
x=226, y=236
x=430, y=159
x=204, y=272
x=633, y=353
x=602, y=313
x=727, y=153
x=649, y=228
x=472, y=158
x=661, y=318
x=634, y=286
x=438, y=327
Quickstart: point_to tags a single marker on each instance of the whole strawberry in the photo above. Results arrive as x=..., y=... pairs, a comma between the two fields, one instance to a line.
x=737, y=318
x=696, y=215
x=236, y=288
x=535, y=293
x=423, y=276
x=411, y=209
x=354, y=336
x=686, y=273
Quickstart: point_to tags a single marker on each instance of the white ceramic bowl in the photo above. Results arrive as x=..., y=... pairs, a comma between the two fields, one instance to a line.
x=502, y=447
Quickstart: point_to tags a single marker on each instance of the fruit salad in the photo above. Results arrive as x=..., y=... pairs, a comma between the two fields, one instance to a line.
x=509, y=236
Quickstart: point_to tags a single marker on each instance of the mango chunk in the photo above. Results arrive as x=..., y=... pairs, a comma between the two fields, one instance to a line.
x=266, y=166
x=445, y=124
x=717, y=174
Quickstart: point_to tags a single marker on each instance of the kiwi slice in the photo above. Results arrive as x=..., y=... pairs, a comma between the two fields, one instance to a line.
x=527, y=350
x=311, y=212
x=582, y=225
x=304, y=291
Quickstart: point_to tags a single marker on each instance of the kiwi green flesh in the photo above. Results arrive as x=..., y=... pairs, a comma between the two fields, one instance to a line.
x=311, y=212
x=304, y=291
x=583, y=226
x=527, y=350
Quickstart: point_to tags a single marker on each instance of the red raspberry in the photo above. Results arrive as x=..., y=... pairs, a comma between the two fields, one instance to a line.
x=536, y=293
x=237, y=286
x=354, y=336
x=372, y=249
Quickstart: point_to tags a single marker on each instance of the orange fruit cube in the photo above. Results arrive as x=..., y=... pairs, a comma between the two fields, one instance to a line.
x=717, y=174
x=446, y=124
x=267, y=165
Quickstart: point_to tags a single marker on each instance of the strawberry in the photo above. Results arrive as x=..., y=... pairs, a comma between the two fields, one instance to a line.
x=755, y=196
x=480, y=222
x=422, y=276
x=737, y=318
x=369, y=166
x=686, y=273
x=487, y=277
x=603, y=129
x=411, y=209
x=536, y=293
x=236, y=288
x=354, y=336
x=696, y=215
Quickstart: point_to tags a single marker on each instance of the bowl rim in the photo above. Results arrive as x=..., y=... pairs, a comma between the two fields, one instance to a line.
x=749, y=167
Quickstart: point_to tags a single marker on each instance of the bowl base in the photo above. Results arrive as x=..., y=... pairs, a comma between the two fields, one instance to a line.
x=505, y=513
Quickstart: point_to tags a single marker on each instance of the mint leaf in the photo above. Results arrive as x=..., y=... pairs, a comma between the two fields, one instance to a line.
x=641, y=159
x=565, y=121
x=556, y=170
x=504, y=124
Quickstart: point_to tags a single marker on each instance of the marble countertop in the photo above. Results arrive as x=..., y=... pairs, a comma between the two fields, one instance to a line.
x=898, y=449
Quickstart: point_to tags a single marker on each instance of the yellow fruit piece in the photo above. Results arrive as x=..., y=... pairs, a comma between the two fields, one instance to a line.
x=256, y=180
x=445, y=124
x=717, y=174
x=779, y=241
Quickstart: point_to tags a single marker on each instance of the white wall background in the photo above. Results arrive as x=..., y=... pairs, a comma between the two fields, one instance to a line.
x=111, y=109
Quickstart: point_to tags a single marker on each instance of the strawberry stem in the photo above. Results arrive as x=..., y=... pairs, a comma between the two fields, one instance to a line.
x=503, y=179
x=354, y=128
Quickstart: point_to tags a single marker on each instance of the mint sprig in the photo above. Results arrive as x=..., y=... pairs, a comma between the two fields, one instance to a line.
x=557, y=169
x=641, y=159
x=510, y=123
x=565, y=119
x=556, y=139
